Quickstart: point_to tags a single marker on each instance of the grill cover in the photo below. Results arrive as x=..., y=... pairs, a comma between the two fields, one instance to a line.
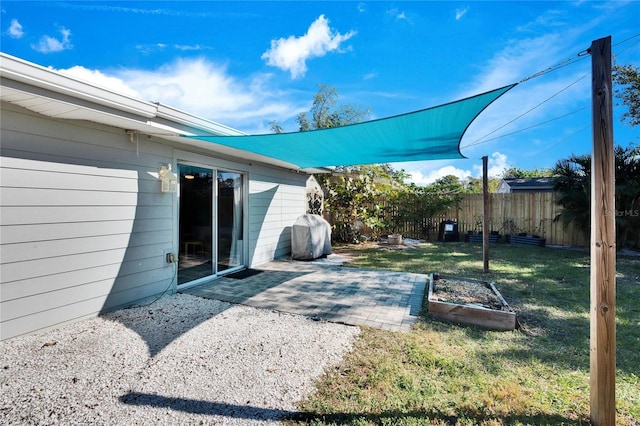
x=310, y=237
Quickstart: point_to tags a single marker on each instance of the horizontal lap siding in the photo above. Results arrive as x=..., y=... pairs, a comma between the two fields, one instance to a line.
x=276, y=200
x=83, y=224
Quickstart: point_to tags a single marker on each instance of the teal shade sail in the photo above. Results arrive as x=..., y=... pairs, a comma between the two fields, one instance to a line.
x=429, y=134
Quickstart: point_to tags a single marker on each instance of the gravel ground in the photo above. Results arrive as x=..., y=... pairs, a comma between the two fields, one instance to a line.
x=181, y=360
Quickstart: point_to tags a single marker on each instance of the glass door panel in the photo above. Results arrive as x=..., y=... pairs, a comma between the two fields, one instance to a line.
x=196, y=231
x=230, y=220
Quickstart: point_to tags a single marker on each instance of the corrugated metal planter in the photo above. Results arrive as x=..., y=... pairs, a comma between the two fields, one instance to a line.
x=476, y=237
x=526, y=240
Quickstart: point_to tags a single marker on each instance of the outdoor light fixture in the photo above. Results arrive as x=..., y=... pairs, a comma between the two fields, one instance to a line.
x=168, y=178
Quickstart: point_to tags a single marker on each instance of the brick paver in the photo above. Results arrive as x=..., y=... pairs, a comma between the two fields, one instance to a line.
x=325, y=290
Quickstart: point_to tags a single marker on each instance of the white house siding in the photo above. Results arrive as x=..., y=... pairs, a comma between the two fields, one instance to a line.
x=274, y=205
x=84, y=227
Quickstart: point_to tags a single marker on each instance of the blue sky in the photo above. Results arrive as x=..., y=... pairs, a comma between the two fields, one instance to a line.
x=244, y=64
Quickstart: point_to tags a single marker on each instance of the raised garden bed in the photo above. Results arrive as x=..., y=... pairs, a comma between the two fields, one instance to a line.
x=476, y=237
x=467, y=301
x=526, y=240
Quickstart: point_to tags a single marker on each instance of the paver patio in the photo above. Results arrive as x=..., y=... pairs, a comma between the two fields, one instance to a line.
x=325, y=290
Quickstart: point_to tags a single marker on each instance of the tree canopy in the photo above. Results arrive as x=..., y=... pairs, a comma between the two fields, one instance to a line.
x=516, y=172
x=627, y=88
x=325, y=112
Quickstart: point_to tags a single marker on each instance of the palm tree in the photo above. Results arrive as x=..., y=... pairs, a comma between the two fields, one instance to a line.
x=573, y=186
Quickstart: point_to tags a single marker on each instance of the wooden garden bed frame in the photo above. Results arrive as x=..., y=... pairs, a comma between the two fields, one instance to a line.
x=471, y=314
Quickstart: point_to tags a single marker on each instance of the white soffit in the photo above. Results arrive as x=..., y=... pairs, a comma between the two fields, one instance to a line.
x=36, y=76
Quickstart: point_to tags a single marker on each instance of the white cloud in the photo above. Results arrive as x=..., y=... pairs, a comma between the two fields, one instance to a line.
x=427, y=172
x=202, y=88
x=370, y=75
x=396, y=13
x=461, y=12
x=496, y=165
x=551, y=18
x=291, y=54
x=184, y=47
x=201, y=85
x=15, y=29
x=99, y=79
x=48, y=44
x=147, y=49
x=423, y=178
x=520, y=59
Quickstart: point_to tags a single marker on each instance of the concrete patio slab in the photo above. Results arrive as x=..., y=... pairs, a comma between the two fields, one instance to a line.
x=325, y=290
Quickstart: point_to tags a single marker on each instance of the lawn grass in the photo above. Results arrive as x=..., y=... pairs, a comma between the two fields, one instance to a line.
x=445, y=374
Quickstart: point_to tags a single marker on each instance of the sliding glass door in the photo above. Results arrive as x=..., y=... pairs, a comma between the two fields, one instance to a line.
x=230, y=226
x=211, y=217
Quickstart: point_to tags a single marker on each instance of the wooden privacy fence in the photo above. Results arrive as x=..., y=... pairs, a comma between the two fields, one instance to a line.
x=514, y=213
x=511, y=213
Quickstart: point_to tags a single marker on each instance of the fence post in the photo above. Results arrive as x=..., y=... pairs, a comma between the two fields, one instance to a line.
x=485, y=216
x=603, y=241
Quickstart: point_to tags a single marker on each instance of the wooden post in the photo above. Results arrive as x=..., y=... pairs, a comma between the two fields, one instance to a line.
x=485, y=216
x=603, y=241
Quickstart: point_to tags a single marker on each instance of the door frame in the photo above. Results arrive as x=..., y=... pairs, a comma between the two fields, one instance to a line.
x=215, y=165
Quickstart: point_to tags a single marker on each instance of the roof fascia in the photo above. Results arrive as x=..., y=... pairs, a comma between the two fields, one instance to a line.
x=191, y=121
x=151, y=113
x=46, y=78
